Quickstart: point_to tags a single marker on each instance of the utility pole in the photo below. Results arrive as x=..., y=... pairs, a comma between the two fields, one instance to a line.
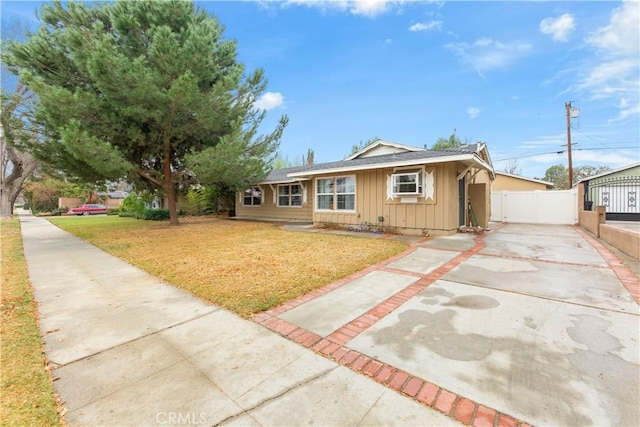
x=567, y=106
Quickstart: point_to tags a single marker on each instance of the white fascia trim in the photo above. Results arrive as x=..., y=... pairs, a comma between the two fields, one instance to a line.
x=285, y=181
x=524, y=178
x=380, y=142
x=456, y=158
x=485, y=166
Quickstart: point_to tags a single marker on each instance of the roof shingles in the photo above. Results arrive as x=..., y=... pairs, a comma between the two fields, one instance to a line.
x=282, y=175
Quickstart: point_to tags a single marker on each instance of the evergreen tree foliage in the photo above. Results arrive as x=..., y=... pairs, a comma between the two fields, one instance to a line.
x=444, y=143
x=148, y=90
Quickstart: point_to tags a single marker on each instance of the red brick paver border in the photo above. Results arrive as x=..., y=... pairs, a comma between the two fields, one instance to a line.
x=623, y=272
x=451, y=404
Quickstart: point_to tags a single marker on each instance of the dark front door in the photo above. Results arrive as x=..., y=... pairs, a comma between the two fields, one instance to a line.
x=462, y=201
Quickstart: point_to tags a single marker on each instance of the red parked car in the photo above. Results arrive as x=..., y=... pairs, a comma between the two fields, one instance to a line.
x=89, y=209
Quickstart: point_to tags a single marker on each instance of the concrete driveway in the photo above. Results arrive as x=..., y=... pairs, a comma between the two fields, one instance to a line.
x=525, y=324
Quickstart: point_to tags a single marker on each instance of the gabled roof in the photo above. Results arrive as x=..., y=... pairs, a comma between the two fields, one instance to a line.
x=399, y=148
x=538, y=181
x=473, y=154
x=623, y=168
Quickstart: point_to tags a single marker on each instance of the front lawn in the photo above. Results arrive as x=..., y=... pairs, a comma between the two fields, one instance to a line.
x=246, y=267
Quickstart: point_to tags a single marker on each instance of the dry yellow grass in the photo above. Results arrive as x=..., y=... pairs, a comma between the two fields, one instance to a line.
x=246, y=267
x=26, y=396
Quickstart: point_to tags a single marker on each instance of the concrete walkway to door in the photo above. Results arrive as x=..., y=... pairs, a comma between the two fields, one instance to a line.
x=525, y=324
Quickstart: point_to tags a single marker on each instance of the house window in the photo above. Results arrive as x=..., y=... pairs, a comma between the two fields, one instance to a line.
x=324, y=193
x=252, y=197
x=407, y=183
x=336, y=193
x=290, y=195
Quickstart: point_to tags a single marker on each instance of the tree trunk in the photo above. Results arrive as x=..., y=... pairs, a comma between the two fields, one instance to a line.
x=168, y=186
x=21, y=166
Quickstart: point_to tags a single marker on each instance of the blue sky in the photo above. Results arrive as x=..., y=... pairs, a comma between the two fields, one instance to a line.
x=412, y=71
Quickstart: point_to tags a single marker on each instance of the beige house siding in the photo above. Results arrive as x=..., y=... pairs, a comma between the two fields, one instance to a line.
x=437, y=209
x=269, y=208
x=510, y=183
x=437, y=215
x=479, y=194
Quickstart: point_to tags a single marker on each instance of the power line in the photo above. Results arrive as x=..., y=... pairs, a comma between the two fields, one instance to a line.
x=561, y=152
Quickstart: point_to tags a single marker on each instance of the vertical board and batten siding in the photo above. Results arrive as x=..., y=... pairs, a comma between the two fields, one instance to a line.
x=535, y=207
x=437, y=214
x=269, y=209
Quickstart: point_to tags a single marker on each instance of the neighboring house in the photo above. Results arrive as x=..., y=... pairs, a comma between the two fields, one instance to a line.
x=617, y=190
x=386, y=185
x=113, y=199
x=509, y=182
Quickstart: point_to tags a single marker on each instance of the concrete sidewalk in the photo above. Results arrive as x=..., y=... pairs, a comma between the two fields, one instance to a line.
x=128, y=349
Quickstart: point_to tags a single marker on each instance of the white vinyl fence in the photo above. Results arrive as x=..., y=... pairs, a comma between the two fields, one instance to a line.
x=535, y=207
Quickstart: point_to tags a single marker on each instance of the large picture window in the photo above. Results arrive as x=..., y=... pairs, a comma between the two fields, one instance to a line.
x=290, y=195
x=407, y=183
x=336, y=193
x=252, y=197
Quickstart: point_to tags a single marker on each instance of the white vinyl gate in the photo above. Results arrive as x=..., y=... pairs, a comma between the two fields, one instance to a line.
x=535, y=207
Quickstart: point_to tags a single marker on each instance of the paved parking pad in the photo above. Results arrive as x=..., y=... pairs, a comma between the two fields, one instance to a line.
x=327, y=313
x=423, y=260
x=593, y=287
x=515, y=353
x=456, y=242
x=556, y=243
x=525, y=324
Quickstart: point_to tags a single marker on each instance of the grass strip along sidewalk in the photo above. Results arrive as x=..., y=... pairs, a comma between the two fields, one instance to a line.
x=245, y=267
x=26, y=395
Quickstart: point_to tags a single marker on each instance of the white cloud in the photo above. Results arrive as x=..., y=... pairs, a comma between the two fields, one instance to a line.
x=614, y=72
x=546, y=141
x=269, y=101
x=559, y=27
x=612, y=78
x=473, y=112
x=370, y=8
x=388, y=41
x=621, y=36
x=431, y=25
x=487, y=54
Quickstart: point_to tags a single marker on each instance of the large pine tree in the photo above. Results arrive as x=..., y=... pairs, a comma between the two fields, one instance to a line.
x=147, y=89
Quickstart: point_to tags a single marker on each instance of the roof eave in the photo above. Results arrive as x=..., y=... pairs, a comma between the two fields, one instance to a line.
x=284, y=181
x=425, y=161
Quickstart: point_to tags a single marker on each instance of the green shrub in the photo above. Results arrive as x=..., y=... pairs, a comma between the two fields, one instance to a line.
x=113, y=211
x=156, y=214
x=133, y=205
x=59, y=211
x=199, y=201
